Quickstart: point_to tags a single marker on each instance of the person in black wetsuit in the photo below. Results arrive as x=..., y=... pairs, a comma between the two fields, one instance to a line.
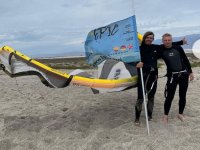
x=149, y=56
x=178, y=73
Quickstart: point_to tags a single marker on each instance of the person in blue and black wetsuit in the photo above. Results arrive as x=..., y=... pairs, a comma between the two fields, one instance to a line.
x=178, y=73
x=149, y=56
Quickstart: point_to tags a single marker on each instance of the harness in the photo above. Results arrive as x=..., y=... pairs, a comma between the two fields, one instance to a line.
x=172, y=78
x=147, y=92
x=179, y=74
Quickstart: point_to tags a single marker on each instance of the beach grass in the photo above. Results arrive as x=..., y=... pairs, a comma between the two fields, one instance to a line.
x=66, y=63
x=195, y=64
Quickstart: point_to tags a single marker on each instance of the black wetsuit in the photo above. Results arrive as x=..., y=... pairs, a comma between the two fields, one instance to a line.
x=149, y=58
x=178, y=70
x=149, y=55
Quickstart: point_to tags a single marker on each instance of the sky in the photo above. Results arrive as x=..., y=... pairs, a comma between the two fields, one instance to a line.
x=42, y=27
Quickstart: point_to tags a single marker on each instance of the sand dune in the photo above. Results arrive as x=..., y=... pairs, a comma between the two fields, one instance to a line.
x=36, y=117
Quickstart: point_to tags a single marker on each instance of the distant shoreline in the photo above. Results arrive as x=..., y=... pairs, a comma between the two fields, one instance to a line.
x=80, y=62
x=82, y=58
x=74, y=62
x=61, y=59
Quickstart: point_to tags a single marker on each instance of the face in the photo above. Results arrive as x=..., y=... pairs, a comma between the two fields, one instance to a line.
x=149, y=39
x=167, y=41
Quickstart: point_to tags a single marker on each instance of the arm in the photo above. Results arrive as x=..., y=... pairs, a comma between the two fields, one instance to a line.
x=182, y=42
x=185, y=59
x=178, y=43
x=187, y=63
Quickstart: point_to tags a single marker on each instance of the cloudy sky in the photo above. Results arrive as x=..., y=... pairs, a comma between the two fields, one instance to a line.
x=41, y=27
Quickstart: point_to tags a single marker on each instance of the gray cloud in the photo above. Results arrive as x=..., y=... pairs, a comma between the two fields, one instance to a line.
x=44, y=24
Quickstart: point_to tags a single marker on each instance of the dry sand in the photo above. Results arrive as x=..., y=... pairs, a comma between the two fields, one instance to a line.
x=35, y=117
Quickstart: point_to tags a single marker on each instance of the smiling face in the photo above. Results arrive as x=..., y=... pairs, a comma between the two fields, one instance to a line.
x=149, y=39
x=167, y=41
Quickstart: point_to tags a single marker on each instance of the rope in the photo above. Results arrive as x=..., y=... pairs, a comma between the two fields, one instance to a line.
x=147, y=92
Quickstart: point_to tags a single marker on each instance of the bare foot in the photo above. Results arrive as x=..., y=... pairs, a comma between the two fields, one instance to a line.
x=150, y=118
x=165, y=119
x=181, y=117
x=137, y=123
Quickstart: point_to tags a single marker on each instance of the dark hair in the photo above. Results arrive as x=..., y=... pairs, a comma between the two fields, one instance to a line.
x=147, y=34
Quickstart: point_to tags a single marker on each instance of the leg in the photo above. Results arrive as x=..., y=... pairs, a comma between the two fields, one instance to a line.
x=151, y=86
x=150, y=106
x=139, y=102
x=165, y=119
x=170, y=91
x=183, y=85
x=138, y=109
x=169, y=95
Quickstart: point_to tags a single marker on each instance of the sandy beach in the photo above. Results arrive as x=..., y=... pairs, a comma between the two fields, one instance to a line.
x=35, y=117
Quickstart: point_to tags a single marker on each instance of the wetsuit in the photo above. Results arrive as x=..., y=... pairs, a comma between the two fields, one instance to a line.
x=150, y=72
x=149, y=55
x=178, y=70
